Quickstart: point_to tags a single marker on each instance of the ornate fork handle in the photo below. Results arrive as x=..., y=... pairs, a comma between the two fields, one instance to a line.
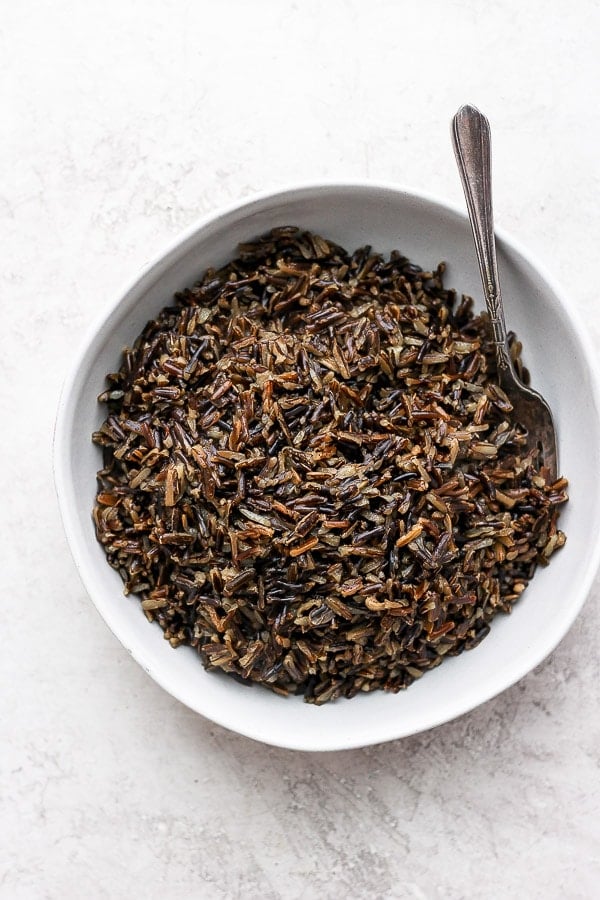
x=472, y=146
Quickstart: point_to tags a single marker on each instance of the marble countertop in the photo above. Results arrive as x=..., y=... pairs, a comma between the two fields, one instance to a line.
x=123, y=122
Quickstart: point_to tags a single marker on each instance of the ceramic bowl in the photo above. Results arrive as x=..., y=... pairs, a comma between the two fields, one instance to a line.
x=560, y=359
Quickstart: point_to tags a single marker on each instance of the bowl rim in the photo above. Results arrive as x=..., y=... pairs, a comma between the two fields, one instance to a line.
x=61, y=460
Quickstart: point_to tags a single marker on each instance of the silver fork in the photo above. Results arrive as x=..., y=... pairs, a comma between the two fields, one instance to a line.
x=472, y=146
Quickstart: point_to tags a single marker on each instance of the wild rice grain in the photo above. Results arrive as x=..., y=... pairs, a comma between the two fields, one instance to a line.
x=311, y=476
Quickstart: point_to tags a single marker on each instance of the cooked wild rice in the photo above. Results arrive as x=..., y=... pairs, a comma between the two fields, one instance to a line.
x=311, y=476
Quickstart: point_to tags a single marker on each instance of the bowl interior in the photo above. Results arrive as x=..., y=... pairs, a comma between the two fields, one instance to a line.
x=555, y=352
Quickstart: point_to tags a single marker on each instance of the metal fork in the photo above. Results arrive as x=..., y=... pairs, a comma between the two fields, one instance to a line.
x=472, y=146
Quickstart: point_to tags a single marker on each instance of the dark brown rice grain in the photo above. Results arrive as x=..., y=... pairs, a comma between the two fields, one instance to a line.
x=311, y=476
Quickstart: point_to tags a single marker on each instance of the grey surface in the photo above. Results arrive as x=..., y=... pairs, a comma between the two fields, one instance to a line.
x=123, y=123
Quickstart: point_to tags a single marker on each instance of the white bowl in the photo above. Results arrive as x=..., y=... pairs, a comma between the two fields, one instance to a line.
x=560, y=359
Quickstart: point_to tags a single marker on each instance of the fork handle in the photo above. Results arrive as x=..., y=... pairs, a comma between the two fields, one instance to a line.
x=472, y=147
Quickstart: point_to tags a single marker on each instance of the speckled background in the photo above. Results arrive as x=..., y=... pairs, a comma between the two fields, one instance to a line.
x=122, y=122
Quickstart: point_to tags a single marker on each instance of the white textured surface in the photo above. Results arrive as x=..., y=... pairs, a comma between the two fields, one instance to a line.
x=122, y=123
